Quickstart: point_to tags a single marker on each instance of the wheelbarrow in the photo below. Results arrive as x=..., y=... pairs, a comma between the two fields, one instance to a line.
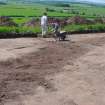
x=61, y=35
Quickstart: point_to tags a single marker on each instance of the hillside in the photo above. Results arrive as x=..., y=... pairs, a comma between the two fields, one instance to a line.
x=55, y=1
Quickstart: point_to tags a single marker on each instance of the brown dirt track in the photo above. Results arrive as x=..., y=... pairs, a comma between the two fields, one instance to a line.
x=38, y=73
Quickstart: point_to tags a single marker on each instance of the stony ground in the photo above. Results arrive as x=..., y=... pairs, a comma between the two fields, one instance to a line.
x=45, y=72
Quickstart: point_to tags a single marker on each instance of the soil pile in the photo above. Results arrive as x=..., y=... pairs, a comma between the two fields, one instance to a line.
x=100, y=20
x=79, y=20
x=6, y=21
x=31, y=23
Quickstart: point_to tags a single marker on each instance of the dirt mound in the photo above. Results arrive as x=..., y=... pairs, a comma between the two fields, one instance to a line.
x=79, y=20
x=31, y=23
x=62, y=22
x=100, y=20
x=6, y=21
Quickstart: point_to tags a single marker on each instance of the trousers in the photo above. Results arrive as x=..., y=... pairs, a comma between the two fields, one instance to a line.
x=44, y=29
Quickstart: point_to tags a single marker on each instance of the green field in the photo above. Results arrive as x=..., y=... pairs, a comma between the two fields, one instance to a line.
x=28, y=10
x=36, y=10
x=22, y=13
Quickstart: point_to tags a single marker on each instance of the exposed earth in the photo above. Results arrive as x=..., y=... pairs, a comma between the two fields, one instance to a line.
x=37, y=71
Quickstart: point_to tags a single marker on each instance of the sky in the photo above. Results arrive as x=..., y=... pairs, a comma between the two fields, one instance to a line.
x=97, y=1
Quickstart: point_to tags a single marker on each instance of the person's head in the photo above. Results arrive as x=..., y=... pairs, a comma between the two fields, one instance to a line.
x=45, y=13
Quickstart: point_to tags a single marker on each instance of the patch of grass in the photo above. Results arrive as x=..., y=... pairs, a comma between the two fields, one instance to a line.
x=68, y=28
x=81, y=28
x=7, y=29
x=20, y=29
x=20, y=20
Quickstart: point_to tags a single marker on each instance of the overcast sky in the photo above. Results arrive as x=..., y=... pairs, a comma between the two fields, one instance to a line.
x=98, y=1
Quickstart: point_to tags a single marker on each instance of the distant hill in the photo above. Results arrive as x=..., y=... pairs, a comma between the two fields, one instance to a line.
x=52, y=1
x=2, y=3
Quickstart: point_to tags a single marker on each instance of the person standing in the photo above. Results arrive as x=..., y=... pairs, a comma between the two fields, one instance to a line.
x=44, y=23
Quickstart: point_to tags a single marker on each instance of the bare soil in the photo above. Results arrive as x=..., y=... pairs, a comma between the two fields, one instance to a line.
x=48, y=72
